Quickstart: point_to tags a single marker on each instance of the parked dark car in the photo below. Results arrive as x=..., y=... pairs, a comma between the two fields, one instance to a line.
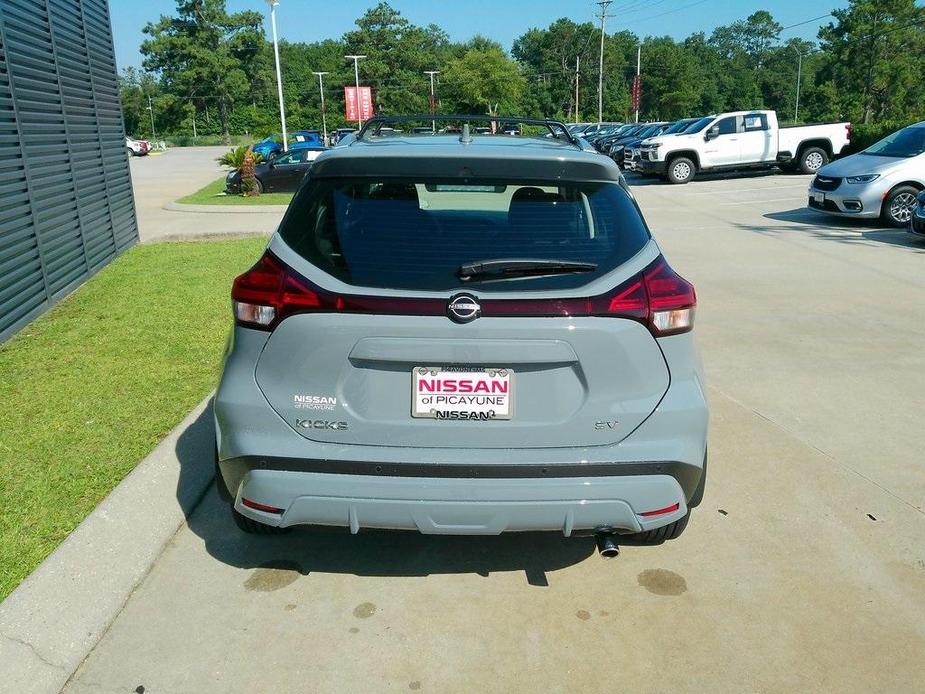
x=917, y=224
x=632, y=144
x=607, y=144
x=282, y=174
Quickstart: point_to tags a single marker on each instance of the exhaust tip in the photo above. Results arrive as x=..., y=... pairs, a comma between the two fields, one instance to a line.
x=607, y=545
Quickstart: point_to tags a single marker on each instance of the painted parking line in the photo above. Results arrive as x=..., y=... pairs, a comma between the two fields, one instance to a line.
x=714, y=191
x=762, y=200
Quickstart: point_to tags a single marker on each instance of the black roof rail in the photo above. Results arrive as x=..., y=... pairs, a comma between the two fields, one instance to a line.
x=557, y=128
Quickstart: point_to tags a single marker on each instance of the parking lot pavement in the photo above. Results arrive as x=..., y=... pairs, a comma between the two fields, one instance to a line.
x=161, y=179
x=803, y=570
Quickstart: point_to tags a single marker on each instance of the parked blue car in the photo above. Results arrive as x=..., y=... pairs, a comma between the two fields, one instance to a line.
x=270, y=146
x=306, y=139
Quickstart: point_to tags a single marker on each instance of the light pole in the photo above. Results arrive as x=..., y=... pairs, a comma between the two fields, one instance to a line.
x=638, y=84
x=151, y=109
x=356, y=74
x=324, y=120
x=600, y=77
x=796, y=108
x=433, y=101
x=577, y=61
x=279, y=76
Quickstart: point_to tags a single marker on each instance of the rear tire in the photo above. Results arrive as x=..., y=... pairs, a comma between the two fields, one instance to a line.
x=697, y=496
x=898, y=206
x=245, y=524
x=681, y=170
x=812, y=159
x=658, y=535
x=252, y=527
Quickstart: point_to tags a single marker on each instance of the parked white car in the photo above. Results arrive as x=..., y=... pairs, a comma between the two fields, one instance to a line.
x=882, y=181
x=742, y=140
x=137, y=148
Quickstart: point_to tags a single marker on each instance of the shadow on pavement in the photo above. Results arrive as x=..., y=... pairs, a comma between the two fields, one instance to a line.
x=635, y=179
x=370, y=553
x=818, y=225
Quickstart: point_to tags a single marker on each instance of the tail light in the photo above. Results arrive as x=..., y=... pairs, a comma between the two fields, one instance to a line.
x=850, y=130
x=657, y=297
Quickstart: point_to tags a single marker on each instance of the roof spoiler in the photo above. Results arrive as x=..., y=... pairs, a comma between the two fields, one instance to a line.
x=558, y=129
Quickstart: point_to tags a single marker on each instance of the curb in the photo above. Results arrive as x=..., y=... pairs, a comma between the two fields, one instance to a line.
x=52, y=621
x=219, y=209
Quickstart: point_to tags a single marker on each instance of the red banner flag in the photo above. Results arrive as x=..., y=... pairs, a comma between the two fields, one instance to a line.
x=358, y=108
x=637, y=92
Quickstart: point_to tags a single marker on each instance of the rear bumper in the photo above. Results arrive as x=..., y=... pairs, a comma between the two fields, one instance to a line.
x=462, y=506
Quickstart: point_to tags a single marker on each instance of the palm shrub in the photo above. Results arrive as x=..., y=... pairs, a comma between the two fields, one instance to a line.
x=243, y=159
x=234, y=158
x=248, y=176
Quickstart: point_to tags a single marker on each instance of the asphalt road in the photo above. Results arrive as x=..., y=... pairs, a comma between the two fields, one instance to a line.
x=159, y=179
x=803, y=570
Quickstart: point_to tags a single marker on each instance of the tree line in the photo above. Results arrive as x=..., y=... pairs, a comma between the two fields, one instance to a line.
x=212, y=72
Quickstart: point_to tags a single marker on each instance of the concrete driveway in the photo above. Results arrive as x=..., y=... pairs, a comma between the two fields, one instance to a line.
x=160, y=179
x=803, y=570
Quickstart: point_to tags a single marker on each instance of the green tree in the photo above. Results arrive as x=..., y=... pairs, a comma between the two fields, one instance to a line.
x=205, y=53
x=398, y=52
x=485, y=79
x=874, y=52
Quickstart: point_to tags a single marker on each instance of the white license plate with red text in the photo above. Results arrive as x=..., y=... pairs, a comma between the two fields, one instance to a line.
x=478, y=394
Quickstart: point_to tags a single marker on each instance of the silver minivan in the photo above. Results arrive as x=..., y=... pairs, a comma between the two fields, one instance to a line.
x=463, y=334
x=882, y=181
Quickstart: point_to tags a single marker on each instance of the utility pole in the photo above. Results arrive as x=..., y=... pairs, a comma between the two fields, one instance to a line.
x=324, y=120
x=604, y=4
x=279, y=76
x=356, y=73
x=151, y=109
x=796, y=108
x=638, y=78
x=433, y=99
x=577, y=59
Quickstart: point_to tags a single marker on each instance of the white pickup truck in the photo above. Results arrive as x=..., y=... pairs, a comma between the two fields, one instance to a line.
x=742, y=140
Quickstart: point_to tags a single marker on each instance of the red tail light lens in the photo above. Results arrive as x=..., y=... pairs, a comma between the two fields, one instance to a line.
x=657, y=297
x=267, y=292
x=672, y=299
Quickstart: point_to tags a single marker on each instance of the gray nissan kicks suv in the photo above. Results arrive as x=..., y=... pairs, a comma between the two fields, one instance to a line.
x=463, y=334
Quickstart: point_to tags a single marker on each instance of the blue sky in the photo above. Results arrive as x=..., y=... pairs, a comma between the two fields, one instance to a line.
x=313, y=20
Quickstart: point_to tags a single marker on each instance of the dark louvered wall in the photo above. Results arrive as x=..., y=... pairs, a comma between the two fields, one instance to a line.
x=66, y=206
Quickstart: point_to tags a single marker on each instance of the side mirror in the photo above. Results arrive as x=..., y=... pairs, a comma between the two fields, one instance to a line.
x=712, y=133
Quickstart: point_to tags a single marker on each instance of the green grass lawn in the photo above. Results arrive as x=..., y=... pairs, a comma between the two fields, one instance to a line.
x=89, y=389
x=214, y=194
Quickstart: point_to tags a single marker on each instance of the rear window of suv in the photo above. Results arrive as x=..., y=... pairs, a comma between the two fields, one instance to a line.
x=415, y=234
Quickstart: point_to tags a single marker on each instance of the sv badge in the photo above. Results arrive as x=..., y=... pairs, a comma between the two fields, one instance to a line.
x=606, y=425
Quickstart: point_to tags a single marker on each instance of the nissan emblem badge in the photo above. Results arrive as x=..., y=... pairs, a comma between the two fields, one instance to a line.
x=463, y=308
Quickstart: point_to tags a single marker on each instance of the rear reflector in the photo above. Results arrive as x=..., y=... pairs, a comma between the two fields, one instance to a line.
x=261, y=507
x=662, y=511
x=657, y=297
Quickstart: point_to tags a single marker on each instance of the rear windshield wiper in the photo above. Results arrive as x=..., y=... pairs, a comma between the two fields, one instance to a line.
x=521, y=267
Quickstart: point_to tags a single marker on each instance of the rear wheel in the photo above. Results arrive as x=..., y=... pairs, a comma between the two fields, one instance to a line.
x=812, y=159
x=658, y=535
x=681, y=170
x=244, y=523
x=898, y=206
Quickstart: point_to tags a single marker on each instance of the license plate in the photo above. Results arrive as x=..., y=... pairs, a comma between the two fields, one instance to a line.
x=819, y=197
x=474, y=394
